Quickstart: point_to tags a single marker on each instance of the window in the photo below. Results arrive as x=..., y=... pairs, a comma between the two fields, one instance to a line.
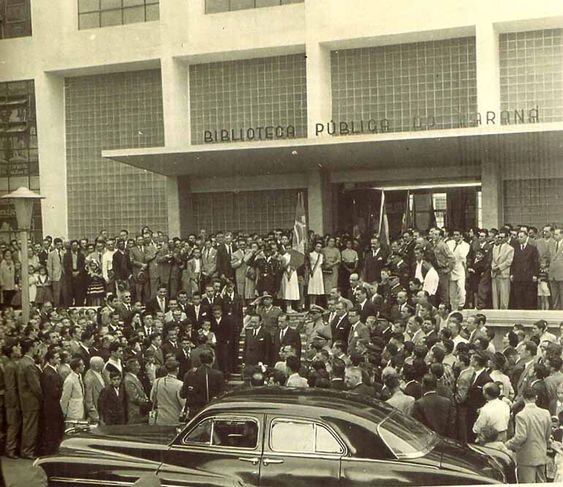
x=406, y=437
x=216, y=6
x=302, y=437
x=105, y=13
x=15, y=18
x=228, y=432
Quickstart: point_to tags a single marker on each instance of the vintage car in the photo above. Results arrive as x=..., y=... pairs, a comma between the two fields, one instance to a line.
x=275, y=436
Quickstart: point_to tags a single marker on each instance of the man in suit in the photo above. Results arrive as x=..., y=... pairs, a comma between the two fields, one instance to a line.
x=364, y=306
x=168, y=267
x=402, y=305
x=444, y=262
x=531, y=440
x=29, y=387
x=72, y=398
x=433, y=410
x=460, y=251
x=196, y=312
x=257, y=342
x=285, y=336
x=202, y=384
x=155, y=340
x=183, y=356
x=140, y=270
x=353, y=379
x=225, y=250
x=122, y=268
x=503, y=254
x=475, y=398
x=555, y=272
x=137, y=402
x=55, y=271
x=224, y=329
x=93, y=385
x=170, y=346
x=209, y=263
x=191, y=277
x=12, y=351
x=398, y=398
x=358, y=331
x=150, y=251
x=527, y=361
x=52, y=420
x=463, y=383
x=74, y=275
x=374, y=261
x=524, y=272
x=160, y=302
x=112, y=403
x=340, y=327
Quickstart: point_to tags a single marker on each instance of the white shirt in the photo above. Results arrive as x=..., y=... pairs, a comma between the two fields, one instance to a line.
x=107, y=263
x=459, y=339
x=495, y=414
x=295, y=380
x=460, y=251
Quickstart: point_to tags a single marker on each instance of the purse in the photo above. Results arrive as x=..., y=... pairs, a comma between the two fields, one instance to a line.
x=153, y=413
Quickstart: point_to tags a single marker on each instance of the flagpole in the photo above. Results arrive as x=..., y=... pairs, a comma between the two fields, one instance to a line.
x=381, y=211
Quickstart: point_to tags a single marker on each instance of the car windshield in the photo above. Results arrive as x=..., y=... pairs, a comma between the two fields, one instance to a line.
x=406, y=437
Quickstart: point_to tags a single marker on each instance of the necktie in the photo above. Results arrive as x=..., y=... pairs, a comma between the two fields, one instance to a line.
x=522, y=247
x=81, y=383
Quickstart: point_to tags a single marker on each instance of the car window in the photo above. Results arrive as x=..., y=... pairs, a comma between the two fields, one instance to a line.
x=229, y=432
x=302, y=437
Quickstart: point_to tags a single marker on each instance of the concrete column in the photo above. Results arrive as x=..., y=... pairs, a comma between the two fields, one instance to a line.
x=49, y=99
x=319, y=90
x=488, y=71
x=175, y=100
x=173, y=204
x=491, y=193
x=319, y=202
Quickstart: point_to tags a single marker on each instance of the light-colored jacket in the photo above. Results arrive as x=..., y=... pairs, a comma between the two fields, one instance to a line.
x=92, y=388
x=55, y=265
x=555, y=258
x=165, y=396
x=502, y=260
x=209, y=262
x=136, y=397
x=72, y=399
x=532, y=436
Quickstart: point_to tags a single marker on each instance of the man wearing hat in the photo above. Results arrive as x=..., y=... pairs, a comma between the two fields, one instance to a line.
x=268, y=312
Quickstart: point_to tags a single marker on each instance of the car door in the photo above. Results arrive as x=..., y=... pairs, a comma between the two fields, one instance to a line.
x=222, y=449
x=300, y=452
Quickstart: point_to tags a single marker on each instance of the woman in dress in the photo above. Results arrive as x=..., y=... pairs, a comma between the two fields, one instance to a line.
x=315, y=288
x=8, y=277
x=96, y=285
x=331, y=265
x=289, y=289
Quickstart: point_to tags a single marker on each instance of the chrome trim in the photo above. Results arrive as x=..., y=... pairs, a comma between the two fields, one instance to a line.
x=253, y=460
x=272, y=461
x=69, y=480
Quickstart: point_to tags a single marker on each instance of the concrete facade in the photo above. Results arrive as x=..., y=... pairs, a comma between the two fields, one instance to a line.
x=186, y=36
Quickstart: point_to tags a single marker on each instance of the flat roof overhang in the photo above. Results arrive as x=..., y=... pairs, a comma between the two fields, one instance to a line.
x=435, y=147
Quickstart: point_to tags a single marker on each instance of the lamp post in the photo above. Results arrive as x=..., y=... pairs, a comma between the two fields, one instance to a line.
x=23, y=201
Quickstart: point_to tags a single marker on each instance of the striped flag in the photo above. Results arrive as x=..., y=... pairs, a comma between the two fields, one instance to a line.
x=383, y=222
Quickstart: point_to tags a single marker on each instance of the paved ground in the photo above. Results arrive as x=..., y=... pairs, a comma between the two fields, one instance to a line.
x=20, y=473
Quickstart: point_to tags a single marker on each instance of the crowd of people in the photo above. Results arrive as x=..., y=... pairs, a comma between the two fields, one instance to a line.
x=149, y=329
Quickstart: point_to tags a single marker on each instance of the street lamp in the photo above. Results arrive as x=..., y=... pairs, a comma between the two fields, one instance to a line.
x=23, y=201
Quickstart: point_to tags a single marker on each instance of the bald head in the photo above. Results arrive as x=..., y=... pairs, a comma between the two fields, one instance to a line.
x=97, y=363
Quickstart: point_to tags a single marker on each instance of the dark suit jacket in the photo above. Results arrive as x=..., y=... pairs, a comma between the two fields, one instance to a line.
x=80, y=265
x=341, y=329
x=232, y=307
x=413, y=389
x=121, y=265
x=373, y=265
x=436, y=412
x=291, y=337
x=338, y=384
x=52, y=389
x=29, y=384
x=153, y=306
x=257, y=348
x=367, y=310
x=204, y=311
x=525, y=264
x=364, y=390
x=169, y=348
x=224, y=267
x=85, y=355
x=113, y=409
x=475, y=398
x=224, y=332
x=185, y=363
x=202, y=384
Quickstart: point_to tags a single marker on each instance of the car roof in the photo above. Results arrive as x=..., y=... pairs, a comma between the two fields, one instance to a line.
x=279, y=398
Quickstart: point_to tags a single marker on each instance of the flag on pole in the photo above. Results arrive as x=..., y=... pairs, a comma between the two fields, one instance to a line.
x=383, y=222
x=406, y=221
x=300, y=234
